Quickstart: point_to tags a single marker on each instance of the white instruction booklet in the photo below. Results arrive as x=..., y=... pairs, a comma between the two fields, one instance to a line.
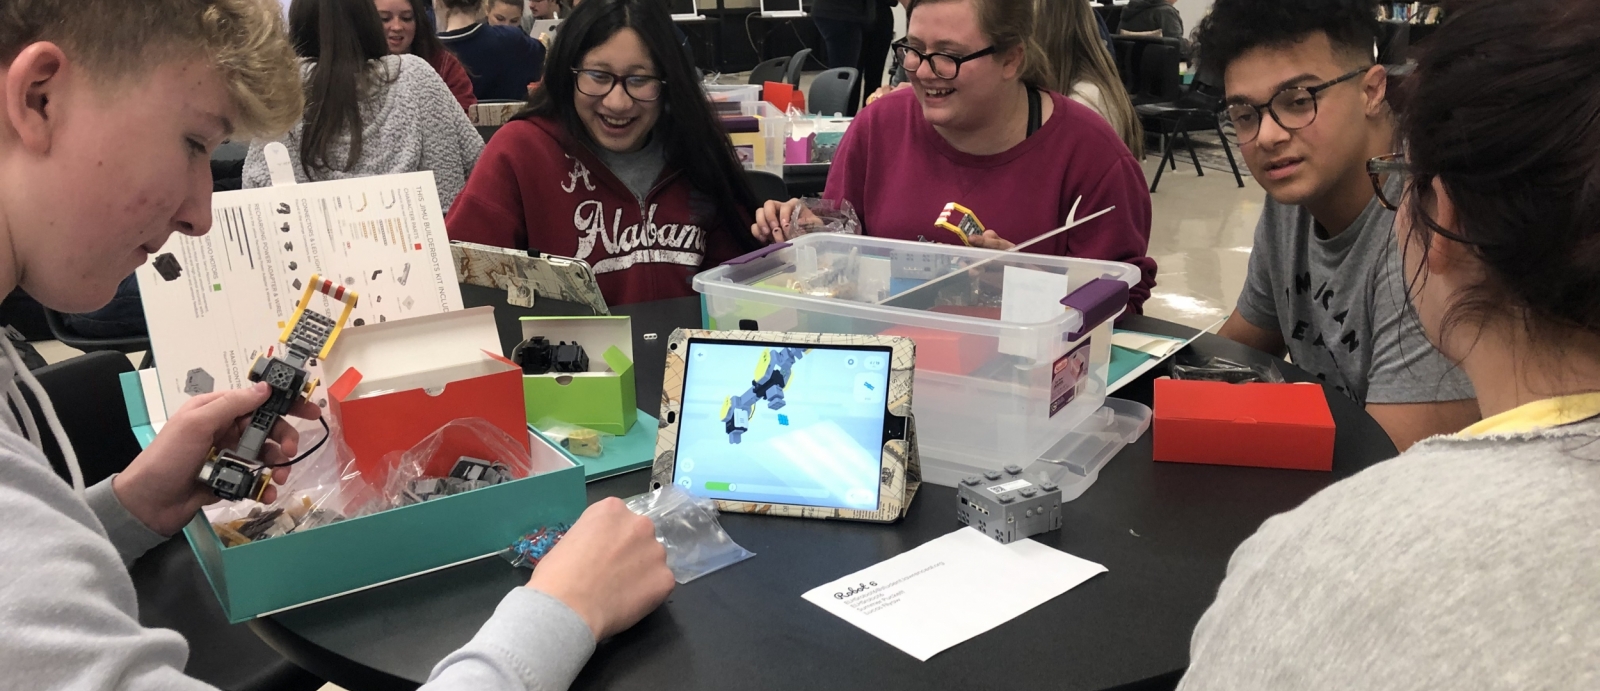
x=922, y=602
x=214, y=303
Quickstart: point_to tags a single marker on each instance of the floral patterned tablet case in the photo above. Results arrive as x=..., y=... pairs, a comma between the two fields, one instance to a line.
x=526, y=278
x=900, y=473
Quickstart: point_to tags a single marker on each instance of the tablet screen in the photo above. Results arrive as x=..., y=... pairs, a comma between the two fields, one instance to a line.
x=783, y=423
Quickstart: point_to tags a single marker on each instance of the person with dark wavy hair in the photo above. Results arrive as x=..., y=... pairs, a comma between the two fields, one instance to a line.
x=1307, y=107
x=617, y=160
x=367, y=112
x=1471, y=561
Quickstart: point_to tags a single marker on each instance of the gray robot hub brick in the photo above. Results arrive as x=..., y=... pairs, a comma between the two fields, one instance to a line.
x=1007, y=506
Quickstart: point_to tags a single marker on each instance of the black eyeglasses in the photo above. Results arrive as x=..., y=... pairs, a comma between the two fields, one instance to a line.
x=599, y=84
x=1379, y=169
x=944, y=65
x=1295, y=108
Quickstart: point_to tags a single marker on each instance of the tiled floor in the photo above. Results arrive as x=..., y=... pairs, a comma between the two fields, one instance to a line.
x=1200, y=238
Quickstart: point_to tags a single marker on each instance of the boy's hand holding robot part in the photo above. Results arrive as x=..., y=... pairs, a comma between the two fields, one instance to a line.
x=239, y=471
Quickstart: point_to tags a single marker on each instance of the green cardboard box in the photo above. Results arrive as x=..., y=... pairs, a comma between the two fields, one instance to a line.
x=603, y=398
x=273, y=575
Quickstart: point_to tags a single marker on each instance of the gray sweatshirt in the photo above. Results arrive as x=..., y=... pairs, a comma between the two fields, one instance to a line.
x=1463, y=564
x=410, y=124
x=69, y=616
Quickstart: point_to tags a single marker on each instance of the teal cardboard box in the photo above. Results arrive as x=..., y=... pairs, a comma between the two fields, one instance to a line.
x=272, y=575
x=601, y=399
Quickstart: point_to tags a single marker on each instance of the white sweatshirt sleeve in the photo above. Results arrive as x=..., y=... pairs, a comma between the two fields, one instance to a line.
x=68, y=611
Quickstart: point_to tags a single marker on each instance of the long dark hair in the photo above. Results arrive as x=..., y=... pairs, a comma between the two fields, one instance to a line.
x=341, y=37
x=693, y=138
x=425, y=44
x=1504, y=111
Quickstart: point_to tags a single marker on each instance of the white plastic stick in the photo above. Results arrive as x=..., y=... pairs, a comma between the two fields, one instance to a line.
x=1071, y=223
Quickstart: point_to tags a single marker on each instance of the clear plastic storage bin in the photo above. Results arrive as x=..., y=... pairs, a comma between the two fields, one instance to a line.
x=1004, y=371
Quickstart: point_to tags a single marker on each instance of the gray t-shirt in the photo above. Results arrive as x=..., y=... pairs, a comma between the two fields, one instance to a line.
x=636, y=169
x=1341, y=306
x=1464, y=564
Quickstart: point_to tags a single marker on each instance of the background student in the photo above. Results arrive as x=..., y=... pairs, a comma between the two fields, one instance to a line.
x=136, y=121
x=505, y=13
x=979, y=128
x=1471, y=561
x=368, y=112
x=538, y=10
x=617, y=161
x=1309, y=108
x=1081, y=67
x=858, y=34
x=408, y=26
x=502, y=60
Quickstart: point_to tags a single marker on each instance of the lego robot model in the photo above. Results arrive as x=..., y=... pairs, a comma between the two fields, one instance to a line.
x=960, y=220
x=239, y=473
x=774, y=371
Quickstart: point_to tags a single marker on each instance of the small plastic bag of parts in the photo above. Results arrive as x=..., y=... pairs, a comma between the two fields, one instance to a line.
x=580, y=441
x=463, y=455
x=526, y=552
x=1225, y=370
x=825, y=216
x=687, y=526
x=310, y=498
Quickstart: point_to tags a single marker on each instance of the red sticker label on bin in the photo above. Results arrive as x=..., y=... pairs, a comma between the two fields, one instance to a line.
x=1067, y=377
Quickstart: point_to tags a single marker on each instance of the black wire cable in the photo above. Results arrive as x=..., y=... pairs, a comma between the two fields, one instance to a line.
x=325, y=434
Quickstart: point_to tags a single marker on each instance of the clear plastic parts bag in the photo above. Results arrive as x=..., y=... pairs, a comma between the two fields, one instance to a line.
x=463, y=455
x=823, y=216
x=1225, y=370
x=580, y=441
x=687, y=526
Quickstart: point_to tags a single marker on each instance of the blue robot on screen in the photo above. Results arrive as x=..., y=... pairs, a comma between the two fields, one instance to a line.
x=774, y=371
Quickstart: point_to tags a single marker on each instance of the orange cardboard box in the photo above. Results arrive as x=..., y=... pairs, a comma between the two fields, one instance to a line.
x=1264, y=425
x=402, y=380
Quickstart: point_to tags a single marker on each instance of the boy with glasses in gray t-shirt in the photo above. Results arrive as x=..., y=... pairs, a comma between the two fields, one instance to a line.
x=1306, y=105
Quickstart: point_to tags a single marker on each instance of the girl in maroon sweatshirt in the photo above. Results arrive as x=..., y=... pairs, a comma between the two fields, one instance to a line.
x=618, y=161
x=978, y=128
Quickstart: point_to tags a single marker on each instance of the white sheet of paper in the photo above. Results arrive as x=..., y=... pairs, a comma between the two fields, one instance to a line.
x=1154, y=346
x=1029, y=296
x=381, y=236
x=951, y=589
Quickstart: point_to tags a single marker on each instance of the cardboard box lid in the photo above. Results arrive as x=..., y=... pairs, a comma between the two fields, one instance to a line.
x=607, y=340
x=1301, y=405
x=415, y=347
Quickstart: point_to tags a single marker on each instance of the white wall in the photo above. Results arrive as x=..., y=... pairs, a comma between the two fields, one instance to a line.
x=1193, y=11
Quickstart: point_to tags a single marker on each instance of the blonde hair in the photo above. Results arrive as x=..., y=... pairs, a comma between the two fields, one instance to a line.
x=1007, y=24
x=1070, y=37
x=111, y=39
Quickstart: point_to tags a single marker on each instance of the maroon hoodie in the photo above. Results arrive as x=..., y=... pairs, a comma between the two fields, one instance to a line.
x=535, y=186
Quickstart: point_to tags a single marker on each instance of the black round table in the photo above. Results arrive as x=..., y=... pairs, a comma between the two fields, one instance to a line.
x=1164, y=530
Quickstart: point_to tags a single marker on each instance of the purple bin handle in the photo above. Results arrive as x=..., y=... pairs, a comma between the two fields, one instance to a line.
x=747, y=258
x=1098, y=300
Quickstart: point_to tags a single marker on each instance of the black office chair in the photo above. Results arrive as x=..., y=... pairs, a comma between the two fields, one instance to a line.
x=797, y=64
x=89, y=344
x=831, y=91
x=774, y=70
x=227, y=167
x=1195, y=110
x=173, y=592
x=768, y=187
